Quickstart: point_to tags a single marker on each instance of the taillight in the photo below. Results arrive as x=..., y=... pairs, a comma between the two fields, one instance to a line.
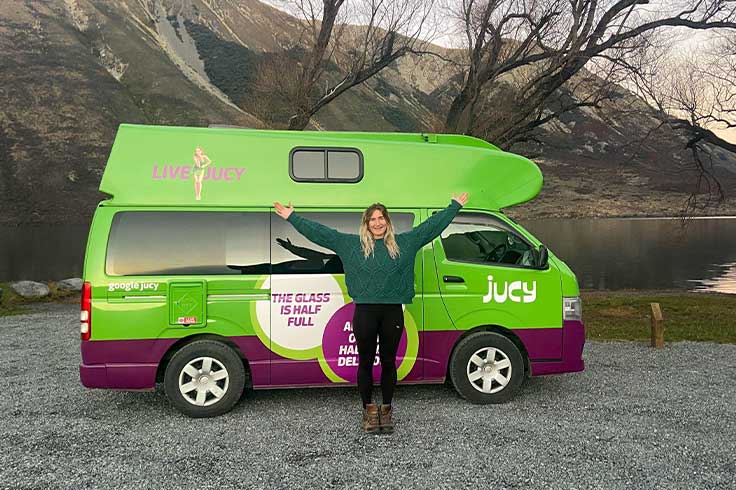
x=85, y=316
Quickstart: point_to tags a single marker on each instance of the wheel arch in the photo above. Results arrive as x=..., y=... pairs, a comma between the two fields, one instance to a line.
x=179, y=344
x=508, y=333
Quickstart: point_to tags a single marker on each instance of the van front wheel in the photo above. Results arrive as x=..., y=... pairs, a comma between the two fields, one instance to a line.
x=486, y=367
x=204, y=379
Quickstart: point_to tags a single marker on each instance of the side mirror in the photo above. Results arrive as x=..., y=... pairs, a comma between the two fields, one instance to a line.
x=542, y=257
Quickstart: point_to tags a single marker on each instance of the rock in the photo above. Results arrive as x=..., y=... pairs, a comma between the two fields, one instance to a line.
x=71, y=284
x=30, y=289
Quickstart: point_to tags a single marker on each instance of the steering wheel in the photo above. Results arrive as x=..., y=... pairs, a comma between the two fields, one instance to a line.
x=496, y=254
x=480, y=241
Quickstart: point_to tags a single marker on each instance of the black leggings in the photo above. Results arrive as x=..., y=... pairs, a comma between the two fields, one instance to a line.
x=380, y=324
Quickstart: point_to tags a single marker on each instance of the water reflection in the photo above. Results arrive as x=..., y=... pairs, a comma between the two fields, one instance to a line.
x=604, y=253
x=42, y=252
x=723, y=282
x=644, y=253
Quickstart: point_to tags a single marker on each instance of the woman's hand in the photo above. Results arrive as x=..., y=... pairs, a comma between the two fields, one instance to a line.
x=283, y=211
x=462, y=198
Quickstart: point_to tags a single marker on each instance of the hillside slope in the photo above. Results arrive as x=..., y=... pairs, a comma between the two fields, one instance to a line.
x=72, y=70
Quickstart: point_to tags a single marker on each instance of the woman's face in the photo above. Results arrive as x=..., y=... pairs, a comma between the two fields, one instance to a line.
x=377, y=224
x=198, y=152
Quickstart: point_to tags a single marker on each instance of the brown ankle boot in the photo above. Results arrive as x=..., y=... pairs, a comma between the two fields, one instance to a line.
x=370, y=418
x=386, y=425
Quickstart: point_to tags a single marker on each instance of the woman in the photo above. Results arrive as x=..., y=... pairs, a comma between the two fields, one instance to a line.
x=201, y=162
x=379, y=273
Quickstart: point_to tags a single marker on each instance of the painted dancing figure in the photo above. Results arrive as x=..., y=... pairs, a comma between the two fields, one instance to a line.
x=201, y=162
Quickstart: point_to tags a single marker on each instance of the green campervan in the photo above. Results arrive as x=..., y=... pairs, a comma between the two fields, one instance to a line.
x=192, y=280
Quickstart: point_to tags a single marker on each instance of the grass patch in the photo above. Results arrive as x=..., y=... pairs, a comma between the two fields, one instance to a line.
x=624, y=315
x=12, y=304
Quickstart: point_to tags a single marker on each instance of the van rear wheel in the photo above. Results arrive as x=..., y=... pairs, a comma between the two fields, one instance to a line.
x=486, y=367
x=204, y=379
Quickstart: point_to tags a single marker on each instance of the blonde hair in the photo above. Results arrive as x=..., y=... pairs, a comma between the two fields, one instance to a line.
x=366, y=237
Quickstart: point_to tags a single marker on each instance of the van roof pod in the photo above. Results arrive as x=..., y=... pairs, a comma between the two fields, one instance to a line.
x=154, y=165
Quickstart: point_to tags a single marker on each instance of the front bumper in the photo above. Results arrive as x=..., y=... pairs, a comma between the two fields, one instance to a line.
x=573, y=341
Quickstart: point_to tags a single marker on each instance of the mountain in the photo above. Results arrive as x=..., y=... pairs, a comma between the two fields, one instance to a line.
x=72, y=70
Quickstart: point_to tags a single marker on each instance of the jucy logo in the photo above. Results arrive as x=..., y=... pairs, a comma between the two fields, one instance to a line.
x=517, y=292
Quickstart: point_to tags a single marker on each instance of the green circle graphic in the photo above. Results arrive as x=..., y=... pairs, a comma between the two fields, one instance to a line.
x=410, y=357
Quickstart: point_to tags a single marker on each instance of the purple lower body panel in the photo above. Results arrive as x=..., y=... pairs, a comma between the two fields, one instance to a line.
x=550, y=350
x=436, y=347
x=122, y=364
x=133, y=364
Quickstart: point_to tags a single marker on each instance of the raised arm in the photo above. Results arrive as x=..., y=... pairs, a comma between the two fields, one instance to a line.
x=313, y=231
x=433, y=226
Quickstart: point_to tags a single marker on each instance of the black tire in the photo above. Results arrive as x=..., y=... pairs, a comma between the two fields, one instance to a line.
x=232, y=385
x=459, y=366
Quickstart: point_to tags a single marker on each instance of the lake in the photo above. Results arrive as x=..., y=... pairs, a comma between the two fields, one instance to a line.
x=645, y=253
x=639, y=253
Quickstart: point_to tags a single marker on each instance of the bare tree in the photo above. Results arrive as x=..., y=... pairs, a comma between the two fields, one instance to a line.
x=695, y=95
x=337, y=56
x=702, y=94
x=275, y=88
x=552, y=42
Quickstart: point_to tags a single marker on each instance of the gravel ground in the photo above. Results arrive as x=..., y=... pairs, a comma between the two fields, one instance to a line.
x=635, y=418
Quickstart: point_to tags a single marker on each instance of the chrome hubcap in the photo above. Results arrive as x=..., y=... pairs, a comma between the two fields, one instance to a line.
x=489, y=370
x=203, y=381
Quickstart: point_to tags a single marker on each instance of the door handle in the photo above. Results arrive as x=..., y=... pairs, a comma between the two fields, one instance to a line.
x=453, y=279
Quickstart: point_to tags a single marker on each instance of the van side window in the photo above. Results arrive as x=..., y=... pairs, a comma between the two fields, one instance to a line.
x=326, y=165
x=291, y=253
x=479, y=238
x=188, y=242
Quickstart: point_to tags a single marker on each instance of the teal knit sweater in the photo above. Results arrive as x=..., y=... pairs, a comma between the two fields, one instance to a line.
x=378, y=278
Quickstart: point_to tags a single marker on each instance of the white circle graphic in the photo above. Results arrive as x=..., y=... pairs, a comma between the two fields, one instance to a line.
x=300, y=307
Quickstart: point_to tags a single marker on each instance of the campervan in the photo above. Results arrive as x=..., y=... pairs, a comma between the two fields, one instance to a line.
x=193, y=282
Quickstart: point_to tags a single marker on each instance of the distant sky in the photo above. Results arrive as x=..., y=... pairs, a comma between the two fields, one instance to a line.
x=728, y=135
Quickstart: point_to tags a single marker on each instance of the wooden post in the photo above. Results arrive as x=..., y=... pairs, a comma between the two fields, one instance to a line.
x=657, y=326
